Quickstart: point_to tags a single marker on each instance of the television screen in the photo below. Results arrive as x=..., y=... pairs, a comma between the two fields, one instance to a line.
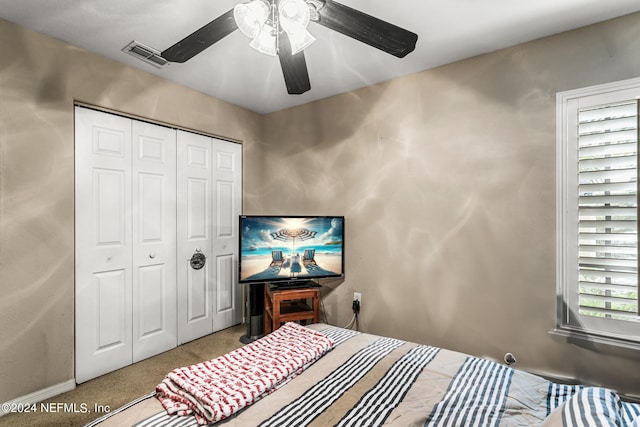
x=290, y=248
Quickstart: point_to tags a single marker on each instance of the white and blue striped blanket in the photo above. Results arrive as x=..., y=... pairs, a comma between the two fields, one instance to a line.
x=368, y=380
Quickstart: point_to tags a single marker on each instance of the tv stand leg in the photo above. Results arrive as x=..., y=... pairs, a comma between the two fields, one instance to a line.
x=255, y=309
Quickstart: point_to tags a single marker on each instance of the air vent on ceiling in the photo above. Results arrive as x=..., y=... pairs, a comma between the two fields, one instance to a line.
x=145, y=53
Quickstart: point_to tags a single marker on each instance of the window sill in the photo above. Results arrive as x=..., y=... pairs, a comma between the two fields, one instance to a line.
x=598, y=343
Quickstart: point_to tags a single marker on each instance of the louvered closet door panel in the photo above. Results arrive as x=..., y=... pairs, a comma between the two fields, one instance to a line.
x=103, y=243
x=154, y=240
x=195, y=235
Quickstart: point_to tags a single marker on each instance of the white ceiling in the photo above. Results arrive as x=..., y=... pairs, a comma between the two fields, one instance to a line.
x=230, y=70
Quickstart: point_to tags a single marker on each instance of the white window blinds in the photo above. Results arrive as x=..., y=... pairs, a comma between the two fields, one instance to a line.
x=608, y=211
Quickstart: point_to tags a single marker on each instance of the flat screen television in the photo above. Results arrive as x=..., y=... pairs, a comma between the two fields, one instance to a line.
x=291, y=250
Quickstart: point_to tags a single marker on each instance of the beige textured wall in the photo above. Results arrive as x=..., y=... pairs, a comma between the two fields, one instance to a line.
x=40, y=78
x=447, y=181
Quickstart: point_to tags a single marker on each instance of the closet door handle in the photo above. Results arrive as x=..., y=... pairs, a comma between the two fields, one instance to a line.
x=198, y=259
x=152, y=255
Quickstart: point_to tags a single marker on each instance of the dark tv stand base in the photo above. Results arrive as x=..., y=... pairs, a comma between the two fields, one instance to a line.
x=255, y=311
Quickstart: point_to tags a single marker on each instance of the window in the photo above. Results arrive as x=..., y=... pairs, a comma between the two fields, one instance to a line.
x=597, y=162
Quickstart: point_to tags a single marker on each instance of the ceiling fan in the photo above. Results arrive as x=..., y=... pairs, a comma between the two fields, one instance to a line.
x=278, y=27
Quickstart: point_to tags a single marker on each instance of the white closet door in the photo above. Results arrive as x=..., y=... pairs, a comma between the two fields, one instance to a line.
x=103, y=243
x=154, y=240
x=147, y=199
x=228, y=193
x=195, y=234
x=209, y=203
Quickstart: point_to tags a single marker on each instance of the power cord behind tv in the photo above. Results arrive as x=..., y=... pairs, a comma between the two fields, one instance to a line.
x=355, y=306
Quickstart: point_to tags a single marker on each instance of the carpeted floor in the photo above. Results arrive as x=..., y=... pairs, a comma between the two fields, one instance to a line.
x=117, y=388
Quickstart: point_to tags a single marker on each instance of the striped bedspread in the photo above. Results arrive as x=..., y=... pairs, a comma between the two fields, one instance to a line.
x=367, y=380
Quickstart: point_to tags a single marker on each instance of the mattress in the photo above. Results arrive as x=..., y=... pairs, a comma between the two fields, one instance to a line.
x=369, y=380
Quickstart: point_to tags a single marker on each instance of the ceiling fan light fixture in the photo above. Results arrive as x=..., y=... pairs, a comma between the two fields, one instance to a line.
x=300, y=40
x=293, y=14
x=266, y=42
x=314, y=9
x=251, y=17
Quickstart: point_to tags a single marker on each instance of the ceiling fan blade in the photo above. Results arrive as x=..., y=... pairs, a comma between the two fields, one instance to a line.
x=201, y=39
x=367, y=29
x=294, y=67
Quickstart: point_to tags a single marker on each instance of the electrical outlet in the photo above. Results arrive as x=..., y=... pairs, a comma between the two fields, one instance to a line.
x=357, y=296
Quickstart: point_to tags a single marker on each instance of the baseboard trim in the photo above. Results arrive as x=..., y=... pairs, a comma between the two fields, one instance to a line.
x=37, y=396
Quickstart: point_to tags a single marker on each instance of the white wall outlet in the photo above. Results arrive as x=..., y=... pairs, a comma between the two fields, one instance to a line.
x=357, y=296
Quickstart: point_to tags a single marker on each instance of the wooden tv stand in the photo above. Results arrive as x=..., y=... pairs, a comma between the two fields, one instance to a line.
x=285, y=305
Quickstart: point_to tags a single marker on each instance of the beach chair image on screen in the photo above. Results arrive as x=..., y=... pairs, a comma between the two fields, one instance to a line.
x=308, y=257
x=276, y=260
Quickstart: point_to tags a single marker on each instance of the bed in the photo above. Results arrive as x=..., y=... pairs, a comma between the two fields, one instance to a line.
x=321, y=375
